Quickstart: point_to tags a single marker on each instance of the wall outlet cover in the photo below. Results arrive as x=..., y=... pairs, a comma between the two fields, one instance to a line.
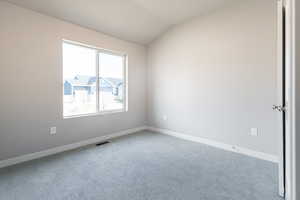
x=52, y=130
x=254, y=132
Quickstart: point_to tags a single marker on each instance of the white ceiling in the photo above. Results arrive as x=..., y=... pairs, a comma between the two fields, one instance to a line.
x=139, y=21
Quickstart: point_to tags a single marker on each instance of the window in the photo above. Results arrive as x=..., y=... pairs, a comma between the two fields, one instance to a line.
x=94, y=80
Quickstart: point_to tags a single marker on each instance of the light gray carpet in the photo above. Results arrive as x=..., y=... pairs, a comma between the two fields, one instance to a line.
x=143, y=166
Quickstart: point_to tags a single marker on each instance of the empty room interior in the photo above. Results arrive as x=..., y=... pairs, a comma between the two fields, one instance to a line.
x=142, y=100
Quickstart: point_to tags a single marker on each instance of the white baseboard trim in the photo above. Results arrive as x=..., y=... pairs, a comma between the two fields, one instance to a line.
x=232, y=148
x=32, y=156
x=227, y=147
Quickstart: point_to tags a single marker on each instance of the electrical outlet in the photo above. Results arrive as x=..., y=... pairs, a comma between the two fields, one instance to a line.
x=52, y=130
x=254, y=132
x=165, y=118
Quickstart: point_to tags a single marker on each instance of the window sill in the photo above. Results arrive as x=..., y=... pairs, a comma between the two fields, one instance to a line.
x=95, y=114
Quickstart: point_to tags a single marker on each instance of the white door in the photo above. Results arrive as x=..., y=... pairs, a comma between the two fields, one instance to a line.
x=279, y=108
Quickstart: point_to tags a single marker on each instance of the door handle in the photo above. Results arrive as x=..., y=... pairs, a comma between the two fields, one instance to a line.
x=278, y=108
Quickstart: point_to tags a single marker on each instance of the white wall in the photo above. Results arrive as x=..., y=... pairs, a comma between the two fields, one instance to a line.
x=31, y=83
x=215, y=76
x=297, y=96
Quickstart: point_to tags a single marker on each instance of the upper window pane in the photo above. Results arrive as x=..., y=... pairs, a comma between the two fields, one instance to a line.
x=79, y=76
x=111, y=76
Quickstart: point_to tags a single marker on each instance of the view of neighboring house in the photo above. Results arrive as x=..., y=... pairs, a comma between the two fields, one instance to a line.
x=88, y=84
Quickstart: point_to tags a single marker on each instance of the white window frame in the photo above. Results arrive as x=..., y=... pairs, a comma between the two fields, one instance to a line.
x=125, y=78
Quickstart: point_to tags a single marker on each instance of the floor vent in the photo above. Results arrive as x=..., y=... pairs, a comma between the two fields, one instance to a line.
x=102, y=143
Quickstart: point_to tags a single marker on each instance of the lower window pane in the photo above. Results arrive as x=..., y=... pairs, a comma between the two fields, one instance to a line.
x=111, y=72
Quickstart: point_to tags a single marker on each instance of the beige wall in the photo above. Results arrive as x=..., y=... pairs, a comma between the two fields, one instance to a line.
x=215, y=76
x=31, y=83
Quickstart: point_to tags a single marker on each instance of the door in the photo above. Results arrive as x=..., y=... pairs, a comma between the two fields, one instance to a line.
x=280, y=108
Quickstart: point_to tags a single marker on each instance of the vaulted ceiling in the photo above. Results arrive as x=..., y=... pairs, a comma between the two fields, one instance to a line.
x=139, y=21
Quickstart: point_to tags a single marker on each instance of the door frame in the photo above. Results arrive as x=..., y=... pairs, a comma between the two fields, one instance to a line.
x=290, y=146
x=281, y=94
